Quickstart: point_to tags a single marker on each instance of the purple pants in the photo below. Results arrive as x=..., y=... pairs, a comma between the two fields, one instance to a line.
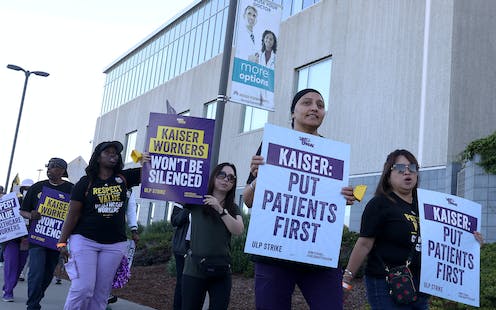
x=275, y=284
x=14, y=261
x=91, y=268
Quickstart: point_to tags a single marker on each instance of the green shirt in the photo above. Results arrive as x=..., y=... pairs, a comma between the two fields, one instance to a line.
x=209, y=237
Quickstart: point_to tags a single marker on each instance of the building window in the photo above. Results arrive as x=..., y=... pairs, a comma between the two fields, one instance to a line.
x=190, y=40
x=130, y=145
x=254, y=118
x=318, y=76
x=210, y=110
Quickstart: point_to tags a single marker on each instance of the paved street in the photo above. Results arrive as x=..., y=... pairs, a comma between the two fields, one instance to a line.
x=55, y=298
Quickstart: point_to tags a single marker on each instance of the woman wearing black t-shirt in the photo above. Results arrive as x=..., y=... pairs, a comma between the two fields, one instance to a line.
x=390, y=232
x=207, y=266
x=94, y=230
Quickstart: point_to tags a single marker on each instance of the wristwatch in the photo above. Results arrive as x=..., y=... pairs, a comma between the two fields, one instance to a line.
x=224, y=212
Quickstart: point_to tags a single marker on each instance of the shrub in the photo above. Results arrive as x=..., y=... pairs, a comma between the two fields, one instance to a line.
x=241, y=262
x=488, y=276
x=154, y=246
x=347, y=244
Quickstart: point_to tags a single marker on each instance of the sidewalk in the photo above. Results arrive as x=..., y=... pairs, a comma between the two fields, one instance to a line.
x=55, y=298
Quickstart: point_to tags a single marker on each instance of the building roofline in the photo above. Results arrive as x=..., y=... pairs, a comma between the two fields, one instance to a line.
x=153, y=34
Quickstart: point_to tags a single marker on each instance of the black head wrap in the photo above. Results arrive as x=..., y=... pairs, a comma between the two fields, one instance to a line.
x=298, y=96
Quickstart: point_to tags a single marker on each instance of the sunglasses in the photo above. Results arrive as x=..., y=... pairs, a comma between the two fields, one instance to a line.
x=231, y=178
x=401, y=168
x=52, y=165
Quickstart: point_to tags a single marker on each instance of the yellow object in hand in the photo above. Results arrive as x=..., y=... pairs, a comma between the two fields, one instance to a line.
x=136, y=156
x=359, y=192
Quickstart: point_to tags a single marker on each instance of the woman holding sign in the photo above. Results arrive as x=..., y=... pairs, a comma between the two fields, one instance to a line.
x=390, y=232
x=207, y=267
x=275, y=279
x=94, y=233
x=390, y=235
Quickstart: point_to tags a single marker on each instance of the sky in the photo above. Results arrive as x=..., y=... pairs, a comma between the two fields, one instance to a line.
x=72, y=40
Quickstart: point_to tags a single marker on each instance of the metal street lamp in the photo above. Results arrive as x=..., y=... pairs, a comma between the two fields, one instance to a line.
x=27, y=74
x=39, y=173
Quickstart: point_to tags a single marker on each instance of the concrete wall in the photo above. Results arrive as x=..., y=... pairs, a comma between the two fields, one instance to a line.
x=376, y=81
x=473, y=89
x=476, y=185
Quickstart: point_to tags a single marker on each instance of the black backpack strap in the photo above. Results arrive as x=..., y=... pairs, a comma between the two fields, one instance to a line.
x=407, y=262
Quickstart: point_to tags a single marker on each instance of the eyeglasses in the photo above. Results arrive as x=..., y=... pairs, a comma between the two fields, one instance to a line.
x=401, y=168
x=231, y=178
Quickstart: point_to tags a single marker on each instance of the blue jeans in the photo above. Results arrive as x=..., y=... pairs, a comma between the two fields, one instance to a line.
x=379, y=298
x=42, y=263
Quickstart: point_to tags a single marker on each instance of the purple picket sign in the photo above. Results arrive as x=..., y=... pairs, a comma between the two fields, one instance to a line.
x=53, y=206
x=180, y=149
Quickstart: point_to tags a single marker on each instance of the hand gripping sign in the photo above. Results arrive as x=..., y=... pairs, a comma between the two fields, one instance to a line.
x=298, y=210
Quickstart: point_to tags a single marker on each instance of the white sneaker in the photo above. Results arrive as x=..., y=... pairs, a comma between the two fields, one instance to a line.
x=1, y=264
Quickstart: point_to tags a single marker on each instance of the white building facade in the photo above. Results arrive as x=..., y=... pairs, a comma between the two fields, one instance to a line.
x=396, y=74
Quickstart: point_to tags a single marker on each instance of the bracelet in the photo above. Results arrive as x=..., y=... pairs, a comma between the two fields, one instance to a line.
x=252, y=187
x=348, y=273
x=347, y=286
x=61, y=245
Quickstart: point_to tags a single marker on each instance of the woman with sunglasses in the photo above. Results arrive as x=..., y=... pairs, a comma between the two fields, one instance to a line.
x=390, y=232
x=207, y=267
x=275, y=279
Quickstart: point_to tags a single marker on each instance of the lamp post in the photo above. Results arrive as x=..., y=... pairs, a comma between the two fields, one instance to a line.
x=39, y=173
x=27, y=74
